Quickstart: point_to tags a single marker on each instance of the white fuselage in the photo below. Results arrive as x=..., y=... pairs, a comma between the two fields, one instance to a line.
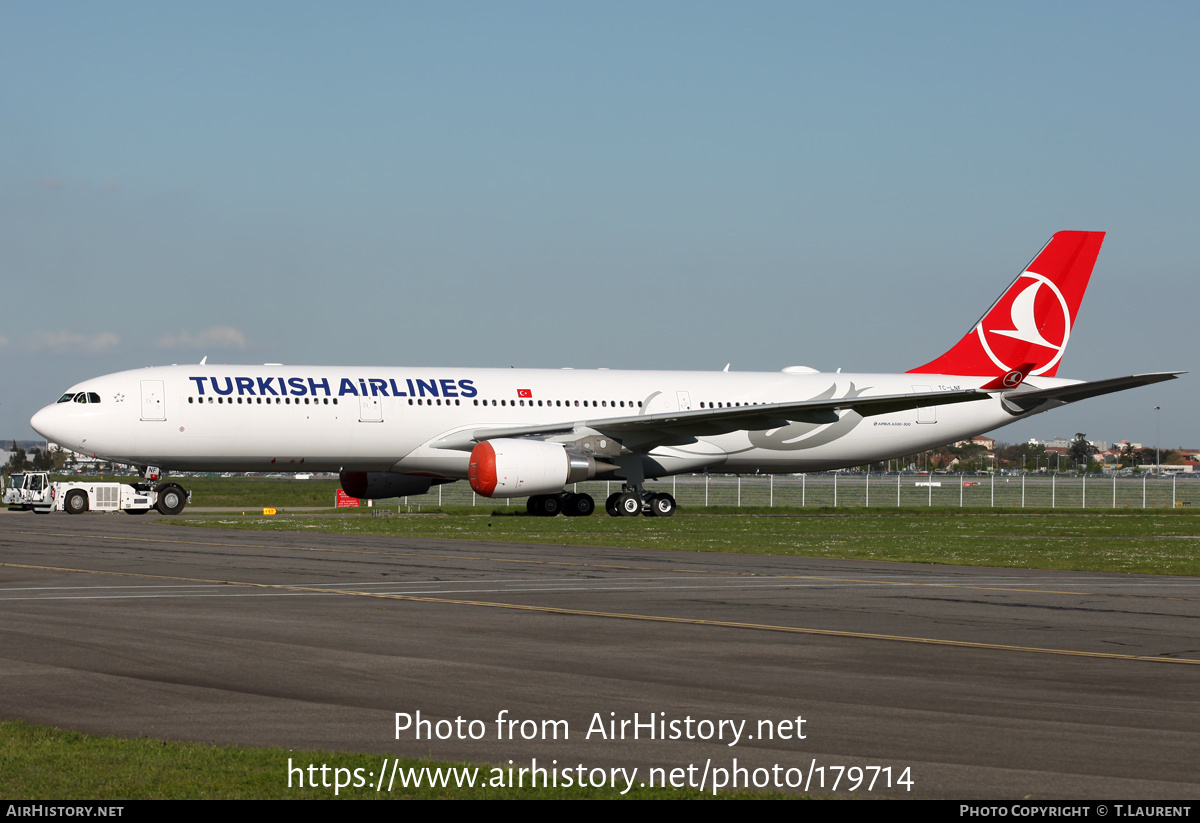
x=280, y=418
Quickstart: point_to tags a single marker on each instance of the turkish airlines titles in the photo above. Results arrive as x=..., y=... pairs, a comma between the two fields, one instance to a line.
x=362, y=387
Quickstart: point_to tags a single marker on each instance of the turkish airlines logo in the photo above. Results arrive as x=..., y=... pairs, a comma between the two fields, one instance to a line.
x=1013, y=379
x=524, y=393
x=1047, y=327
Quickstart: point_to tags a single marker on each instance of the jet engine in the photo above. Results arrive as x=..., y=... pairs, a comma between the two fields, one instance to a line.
x=516, y=468
x=380, y=485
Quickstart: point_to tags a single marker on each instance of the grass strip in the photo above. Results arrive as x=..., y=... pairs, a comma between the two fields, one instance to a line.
x=1152, y=541
x=43, y=763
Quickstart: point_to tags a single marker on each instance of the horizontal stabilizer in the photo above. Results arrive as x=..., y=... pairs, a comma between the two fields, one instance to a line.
x=1024, y=401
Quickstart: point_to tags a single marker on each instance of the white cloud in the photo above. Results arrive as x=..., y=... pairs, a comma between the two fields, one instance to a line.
x=71, y=341
x=218, y=337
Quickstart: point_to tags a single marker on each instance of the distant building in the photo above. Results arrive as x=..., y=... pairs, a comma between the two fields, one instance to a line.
x=979, y=440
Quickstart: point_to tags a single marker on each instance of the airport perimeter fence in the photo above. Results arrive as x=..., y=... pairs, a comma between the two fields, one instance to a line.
x=856, y=489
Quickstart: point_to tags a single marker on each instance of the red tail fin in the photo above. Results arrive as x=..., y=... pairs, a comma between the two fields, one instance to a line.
x=1031, y=322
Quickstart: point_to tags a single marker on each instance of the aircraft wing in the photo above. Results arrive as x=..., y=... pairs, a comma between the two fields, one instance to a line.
x=773, y=415
x=1023, y=401
x=668, y=427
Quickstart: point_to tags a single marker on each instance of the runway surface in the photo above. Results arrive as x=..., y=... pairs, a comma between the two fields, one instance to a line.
x=983, y=683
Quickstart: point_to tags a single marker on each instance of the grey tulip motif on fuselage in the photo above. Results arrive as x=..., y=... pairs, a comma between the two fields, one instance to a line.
x=785, y=438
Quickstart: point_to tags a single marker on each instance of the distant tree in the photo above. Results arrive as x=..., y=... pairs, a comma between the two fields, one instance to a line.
x=1081, y=451
x=1128, y=457
x=18, y=462
x=42, y=461
x=1011, y=456
x=62, y=458
x=1145, y=457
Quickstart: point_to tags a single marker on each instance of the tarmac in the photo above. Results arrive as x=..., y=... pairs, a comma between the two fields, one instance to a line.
x=976, y=683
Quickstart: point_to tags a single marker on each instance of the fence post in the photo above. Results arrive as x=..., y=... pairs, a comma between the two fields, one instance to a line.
x=771, y=498
x=1114, y=490
x=867, y=503
x=1022, y=491
x=929, y=488
x=835, y=474
x=961, y=481
x=803, y=487
x=897, y=490
x=739, y=491
x=1174, y=477
x=1083, y=493
x=993, y=487
x=706, y=491
x=1143, y=491
x=1053, y=488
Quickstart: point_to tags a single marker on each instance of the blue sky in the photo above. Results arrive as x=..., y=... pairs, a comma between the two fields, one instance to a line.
x=630, y=185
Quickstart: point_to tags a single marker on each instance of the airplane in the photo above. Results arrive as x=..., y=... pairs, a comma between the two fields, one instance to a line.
x=391, y=432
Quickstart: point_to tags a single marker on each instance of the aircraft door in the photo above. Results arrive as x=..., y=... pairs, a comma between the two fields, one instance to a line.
x=925, y=414
x=154, y=405
x=685, y=400
x=370, y=410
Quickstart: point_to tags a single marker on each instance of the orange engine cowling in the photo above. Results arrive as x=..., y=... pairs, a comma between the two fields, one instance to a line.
x=516, y=468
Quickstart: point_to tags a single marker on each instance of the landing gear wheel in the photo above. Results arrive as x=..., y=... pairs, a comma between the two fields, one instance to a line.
x=550, y=505
x=611, y=505
x=629, y=505
x=533, y=505
x=579, y=505
x=76, y=501
x=171, y=499
x=661, y=505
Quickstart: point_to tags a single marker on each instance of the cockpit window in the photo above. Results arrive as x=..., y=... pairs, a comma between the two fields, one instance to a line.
x=67, y=398
x=93, y=397
x=81, y=397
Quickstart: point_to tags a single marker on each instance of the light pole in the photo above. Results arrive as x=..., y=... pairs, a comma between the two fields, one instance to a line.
x=1157, y=430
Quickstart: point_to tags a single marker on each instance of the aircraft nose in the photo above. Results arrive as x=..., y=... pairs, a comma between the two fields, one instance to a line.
x=44, y=423
x=39, y=421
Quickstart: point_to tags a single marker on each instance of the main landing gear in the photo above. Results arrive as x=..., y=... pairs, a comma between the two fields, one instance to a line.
x=569, y=503
x=630, y=502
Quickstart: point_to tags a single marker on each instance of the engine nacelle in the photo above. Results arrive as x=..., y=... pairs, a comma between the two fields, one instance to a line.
x=516, y=468
x=380, y=485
